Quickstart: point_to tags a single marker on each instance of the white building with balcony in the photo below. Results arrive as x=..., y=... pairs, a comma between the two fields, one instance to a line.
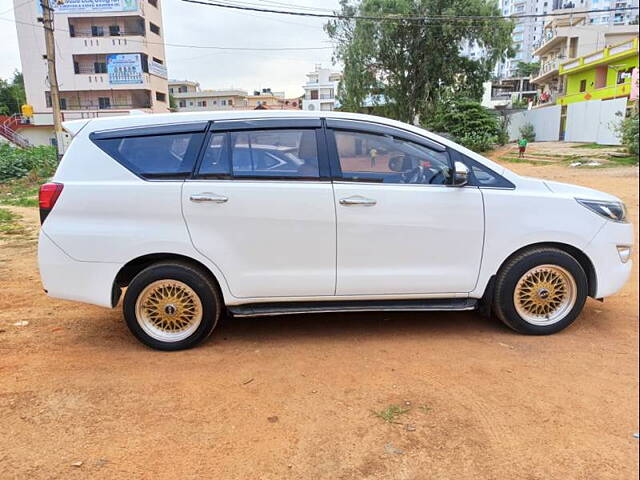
x=110, y=59
x=320, y=89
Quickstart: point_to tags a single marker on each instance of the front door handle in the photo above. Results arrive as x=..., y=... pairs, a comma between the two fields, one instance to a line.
x=208, y=197
x=358, y=200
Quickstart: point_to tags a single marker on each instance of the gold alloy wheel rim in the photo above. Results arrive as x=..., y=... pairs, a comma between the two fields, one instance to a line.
x=168, y=310
x=545, y=295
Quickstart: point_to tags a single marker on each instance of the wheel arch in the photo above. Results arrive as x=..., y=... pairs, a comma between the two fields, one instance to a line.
x=130, y=269
x=581, y=257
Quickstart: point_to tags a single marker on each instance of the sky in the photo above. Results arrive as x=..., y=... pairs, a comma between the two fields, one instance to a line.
x=192, y=24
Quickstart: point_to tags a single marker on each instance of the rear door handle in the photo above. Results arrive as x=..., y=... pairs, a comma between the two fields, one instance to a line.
x=358, y=200
x=208, y=197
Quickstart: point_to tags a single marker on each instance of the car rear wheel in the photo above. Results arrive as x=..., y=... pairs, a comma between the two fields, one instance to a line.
x=172, y=306
x=540, y=291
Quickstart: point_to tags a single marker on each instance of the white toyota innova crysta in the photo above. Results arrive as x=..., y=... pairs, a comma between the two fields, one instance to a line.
x=275, y=212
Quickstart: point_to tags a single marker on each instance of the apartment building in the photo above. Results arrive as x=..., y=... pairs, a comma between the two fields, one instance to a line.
x=566, y=38
x=528, y=32
x=110, y=59
x=320, y=89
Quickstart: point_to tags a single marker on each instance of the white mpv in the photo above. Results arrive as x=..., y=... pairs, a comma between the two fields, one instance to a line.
x=263, y=213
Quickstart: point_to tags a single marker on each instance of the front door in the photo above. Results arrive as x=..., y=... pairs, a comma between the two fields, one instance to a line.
x=261, y=208
x=401, y=228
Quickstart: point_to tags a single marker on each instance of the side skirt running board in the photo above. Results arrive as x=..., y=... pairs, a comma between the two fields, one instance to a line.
x=291, y=308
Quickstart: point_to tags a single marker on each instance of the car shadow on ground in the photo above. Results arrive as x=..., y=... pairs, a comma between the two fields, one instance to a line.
x=340, y=326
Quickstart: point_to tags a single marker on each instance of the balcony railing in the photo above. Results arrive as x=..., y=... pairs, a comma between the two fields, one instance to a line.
x=121, y=33
x=547, y=67
x=112, y=106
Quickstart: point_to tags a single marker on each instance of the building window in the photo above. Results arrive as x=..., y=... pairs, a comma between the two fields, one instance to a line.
x=170, y=89
x=161, y=97
x=182, y=89
x=114, y=30
x=154, y=28
x=230, y=102
x=72, y=31
x=623, y=75
x=583, y=86
x=63, y=104
x=153, y=3
x=97, y=31
x=47, y=99
x=157, y=60
x=182, y=104
x=104, y=103
x=223, y=102
x=99, y=67
x=314, y=94
x=76, y=67
x=202, y=103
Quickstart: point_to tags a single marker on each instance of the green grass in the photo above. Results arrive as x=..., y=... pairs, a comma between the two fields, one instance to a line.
x=523, y=160
x=624, y=160
x=391, y=413
x=22, y=192
x=9, y=223
x=594, y=146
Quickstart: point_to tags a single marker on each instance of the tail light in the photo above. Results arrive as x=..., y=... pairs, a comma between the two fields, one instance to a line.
x=49, y=193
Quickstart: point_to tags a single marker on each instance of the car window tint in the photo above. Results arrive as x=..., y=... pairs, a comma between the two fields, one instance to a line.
x=274, y=153
x=215, y=161
x=154, y=155
x=380, y=158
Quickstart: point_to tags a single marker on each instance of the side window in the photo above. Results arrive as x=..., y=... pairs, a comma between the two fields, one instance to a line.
x=274, y=153
x=215, y=160
x=155, y=156
x=483, y=176
x=370, y=157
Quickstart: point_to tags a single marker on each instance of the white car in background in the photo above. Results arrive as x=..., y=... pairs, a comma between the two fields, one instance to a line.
x=262, y=213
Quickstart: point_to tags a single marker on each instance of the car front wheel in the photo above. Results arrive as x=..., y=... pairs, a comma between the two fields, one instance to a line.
x=171, y=306
x=540, y=291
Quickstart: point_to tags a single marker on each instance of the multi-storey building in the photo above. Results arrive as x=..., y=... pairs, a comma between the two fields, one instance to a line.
x=529, y=31
x=110, y=59
x=568, y=37
x=320, y=89
x=188, y=97
x=605, y=74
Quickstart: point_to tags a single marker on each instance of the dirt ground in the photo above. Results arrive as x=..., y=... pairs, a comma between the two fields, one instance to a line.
x=294, y=397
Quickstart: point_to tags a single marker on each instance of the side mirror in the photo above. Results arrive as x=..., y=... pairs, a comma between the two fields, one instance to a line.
x=461, y=175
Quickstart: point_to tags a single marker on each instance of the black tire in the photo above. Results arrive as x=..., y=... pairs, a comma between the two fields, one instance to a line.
x=206, y=290
x=514, y=269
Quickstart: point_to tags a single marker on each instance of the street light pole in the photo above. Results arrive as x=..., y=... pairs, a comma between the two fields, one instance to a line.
x=47, y=21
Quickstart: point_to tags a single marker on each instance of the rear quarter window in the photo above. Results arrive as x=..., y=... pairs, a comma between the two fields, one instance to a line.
x=166, y=156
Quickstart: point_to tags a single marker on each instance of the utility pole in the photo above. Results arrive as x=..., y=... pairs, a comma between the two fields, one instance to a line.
x=47, y=21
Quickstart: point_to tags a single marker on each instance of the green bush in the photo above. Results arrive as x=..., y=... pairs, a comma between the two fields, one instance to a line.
x=629, y=132
x=40, y=162
x=527, y=131
x=468, y=122
x=478, y=142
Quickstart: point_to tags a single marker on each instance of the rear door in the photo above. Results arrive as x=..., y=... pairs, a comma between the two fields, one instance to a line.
x=260, y=206
x=401, y=228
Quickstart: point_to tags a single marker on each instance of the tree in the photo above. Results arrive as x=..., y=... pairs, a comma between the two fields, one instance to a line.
x=526, y=69
x=415, y=64
x=468, y=122
x=12, y=95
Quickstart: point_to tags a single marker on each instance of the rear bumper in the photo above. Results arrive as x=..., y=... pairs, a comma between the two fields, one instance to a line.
x=611, y=273
x=66, y=278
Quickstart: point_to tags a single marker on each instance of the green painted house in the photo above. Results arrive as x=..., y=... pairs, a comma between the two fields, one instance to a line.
x=601, y=75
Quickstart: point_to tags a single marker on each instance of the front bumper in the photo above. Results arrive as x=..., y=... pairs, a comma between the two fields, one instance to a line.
x=611, y=273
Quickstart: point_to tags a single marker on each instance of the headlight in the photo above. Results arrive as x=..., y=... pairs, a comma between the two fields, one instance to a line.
x=615, y=211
